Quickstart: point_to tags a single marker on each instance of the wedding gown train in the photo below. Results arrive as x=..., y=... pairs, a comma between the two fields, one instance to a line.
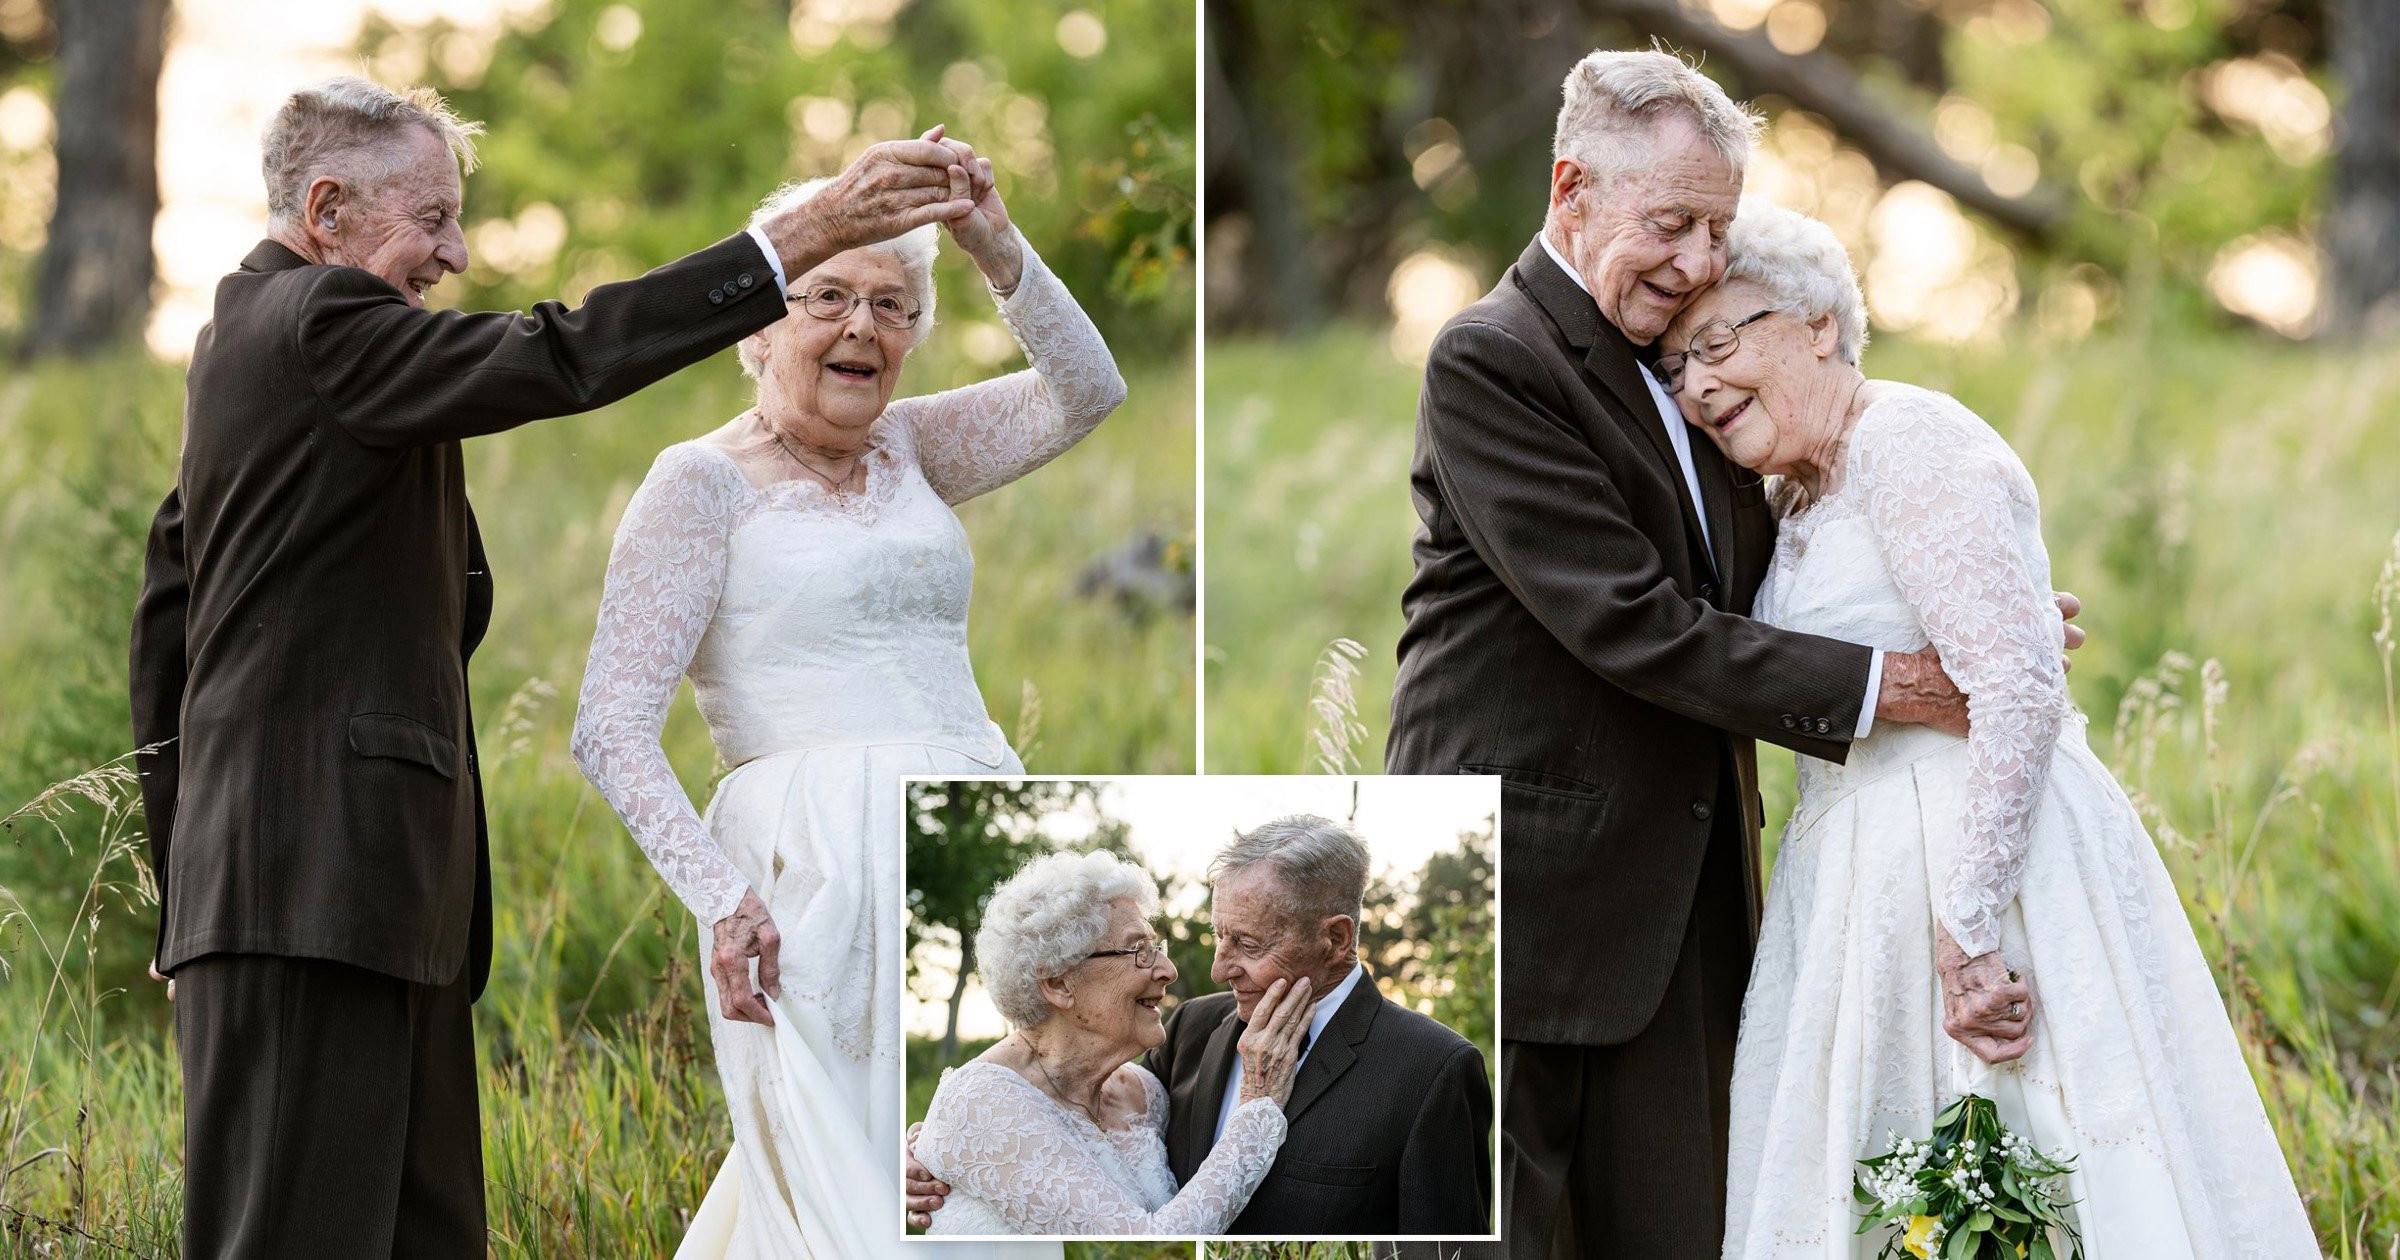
x=825, y=637
x=2018, y=839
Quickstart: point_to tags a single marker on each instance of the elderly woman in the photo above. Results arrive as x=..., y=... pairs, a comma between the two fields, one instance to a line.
x=802, y=565
x=1932, y=871
x=1056, y=1130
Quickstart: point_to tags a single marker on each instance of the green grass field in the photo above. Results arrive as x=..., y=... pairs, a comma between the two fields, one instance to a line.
x=2224, y=508
x=602, y=1119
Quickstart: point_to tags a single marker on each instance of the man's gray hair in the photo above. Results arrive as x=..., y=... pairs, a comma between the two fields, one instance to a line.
x=1615, y=101
x=345, y=127
x=1802, y=266
x=1320, y=865
x=1045, y=919
x=914, y=249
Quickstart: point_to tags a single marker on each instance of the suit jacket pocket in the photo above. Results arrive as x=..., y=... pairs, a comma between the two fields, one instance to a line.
x=404, y=739
x=1542, y=781
x=1327, y=1174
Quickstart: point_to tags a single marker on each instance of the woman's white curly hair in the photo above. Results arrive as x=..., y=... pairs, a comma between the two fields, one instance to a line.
x=913, y=249
x=1802, y=266
x=1045, y=919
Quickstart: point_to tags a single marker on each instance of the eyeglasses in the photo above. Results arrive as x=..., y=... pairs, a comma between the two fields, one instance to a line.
x=1714, y=343
x=1144, y=955
x=832, y=301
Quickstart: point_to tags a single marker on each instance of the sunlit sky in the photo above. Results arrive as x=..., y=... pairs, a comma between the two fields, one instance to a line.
x=1179, y=823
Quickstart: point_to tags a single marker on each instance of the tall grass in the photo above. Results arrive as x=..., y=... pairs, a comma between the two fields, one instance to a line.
x=603, y=1120
x=2224, y=507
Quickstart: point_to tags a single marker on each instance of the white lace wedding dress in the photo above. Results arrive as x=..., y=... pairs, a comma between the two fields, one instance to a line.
x=1019, y=1163
x=2018, y=839
x=826, y=641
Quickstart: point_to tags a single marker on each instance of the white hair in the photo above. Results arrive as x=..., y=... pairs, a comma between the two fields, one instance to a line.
x=1616, y=100
x=913, y=250
x=1319, y=865
x=346, y=127
x=1802, y=267
x=1045, y=919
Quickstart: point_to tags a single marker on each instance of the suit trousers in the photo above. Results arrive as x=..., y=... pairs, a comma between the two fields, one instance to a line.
x=1613, y=1152
x=328, y=1110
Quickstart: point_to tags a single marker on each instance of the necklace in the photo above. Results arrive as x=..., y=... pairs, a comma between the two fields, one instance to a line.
x=838, y=486
x=1055, y=1091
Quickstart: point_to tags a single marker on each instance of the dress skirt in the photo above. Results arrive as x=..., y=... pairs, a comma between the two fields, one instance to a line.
x=2134, y=1069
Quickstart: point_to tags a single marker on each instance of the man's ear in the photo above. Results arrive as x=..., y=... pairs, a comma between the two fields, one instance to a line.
x=327, y=200
x=1341, y=934
x=1568, y=179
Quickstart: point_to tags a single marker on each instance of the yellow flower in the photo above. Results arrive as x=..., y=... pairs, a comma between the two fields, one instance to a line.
x=1919, y=1239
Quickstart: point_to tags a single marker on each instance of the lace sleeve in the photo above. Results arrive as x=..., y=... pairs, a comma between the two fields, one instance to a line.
x=975, y=439
x=664, y=575
x=992, y=1135
x=1937, y=482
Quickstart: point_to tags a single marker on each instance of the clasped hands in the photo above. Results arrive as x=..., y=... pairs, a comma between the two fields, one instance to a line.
x=1986, y=1007
x=896, y=187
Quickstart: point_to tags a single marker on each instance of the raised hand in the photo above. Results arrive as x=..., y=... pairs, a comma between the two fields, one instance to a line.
x=1270, y=1046
x=1985, y=1006
x=893, y=187
x=745, y=934
x=983, y=232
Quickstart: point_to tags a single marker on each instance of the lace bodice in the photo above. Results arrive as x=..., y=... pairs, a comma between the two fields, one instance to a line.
x=806, y=619
x=1932, y=534
x=1016, y=1159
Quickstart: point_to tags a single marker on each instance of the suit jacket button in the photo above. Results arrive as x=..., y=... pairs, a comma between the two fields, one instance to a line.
x=1790, y=723
x=1708, y=591
x=743, y=280
x=1824, y=727
x=716, y=297
x=1700, y=810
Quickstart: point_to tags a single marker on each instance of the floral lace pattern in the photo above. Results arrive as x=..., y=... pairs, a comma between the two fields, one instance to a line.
x=1020, y=1163
x=811, y=620
x=2015, y=838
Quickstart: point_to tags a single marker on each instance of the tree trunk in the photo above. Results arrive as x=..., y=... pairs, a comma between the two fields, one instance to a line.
x=94, y=287
x=2362, y=231
x=958, y=995
x=1246, y=132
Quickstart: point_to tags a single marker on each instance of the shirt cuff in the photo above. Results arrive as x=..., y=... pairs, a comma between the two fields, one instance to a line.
x=774, y=260
x=1866, y=707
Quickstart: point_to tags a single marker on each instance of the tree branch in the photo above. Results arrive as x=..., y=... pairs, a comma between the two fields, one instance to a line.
x=1822, y=86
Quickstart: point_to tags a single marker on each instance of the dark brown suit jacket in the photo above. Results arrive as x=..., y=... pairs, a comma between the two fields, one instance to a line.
x=1390, y=1121
x=315, y=583
x=1569, y=631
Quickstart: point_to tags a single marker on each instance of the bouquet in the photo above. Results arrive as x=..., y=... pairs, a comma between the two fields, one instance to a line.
x=1975, y=1192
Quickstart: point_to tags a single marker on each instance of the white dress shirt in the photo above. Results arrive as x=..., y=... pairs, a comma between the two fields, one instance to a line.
x=774, y=260
x=1679, y=435
x=1317, y=1020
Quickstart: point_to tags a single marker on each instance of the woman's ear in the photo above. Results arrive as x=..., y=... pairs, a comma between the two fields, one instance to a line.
x=1057, y=992
x=1824, y=336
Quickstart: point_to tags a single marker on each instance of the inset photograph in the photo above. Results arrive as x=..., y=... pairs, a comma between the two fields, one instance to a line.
x=1179, y=1007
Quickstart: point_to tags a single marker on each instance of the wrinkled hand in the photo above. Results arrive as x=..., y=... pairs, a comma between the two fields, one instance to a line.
x=923, y=1194
x=1979, y=995
x=1270, y=1045
x=166, y=980
x=983, y=232
x=745, y=934
x=1916, y=692
x=2069, y=608
x=893, y=187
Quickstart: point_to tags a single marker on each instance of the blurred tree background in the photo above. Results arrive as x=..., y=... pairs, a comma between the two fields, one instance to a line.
x=622, y=135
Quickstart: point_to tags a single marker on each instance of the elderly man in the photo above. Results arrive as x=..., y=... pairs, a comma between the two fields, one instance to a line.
x=313, y=589
x=1575, y=626
x=1391, y=1113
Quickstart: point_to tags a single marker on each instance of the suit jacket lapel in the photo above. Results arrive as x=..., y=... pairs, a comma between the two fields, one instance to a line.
x=1216, y=1062
x=1608, y=357
x=1336, y=1048
x=1716, y=494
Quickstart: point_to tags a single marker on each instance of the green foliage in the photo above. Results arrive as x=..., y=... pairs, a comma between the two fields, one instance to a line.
x=2211, y=493
x=642, y=140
